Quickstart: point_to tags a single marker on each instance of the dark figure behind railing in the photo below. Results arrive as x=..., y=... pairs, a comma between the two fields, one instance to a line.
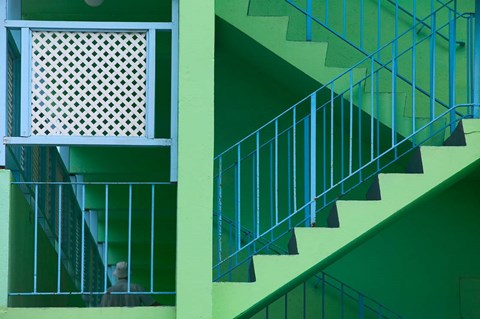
x=133, y=297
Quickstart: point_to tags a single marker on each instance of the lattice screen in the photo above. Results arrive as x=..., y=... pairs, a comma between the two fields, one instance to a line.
x=10, y=99
x=88, y=83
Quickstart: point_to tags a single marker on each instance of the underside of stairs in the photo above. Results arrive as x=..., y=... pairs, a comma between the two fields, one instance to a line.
x=316, y=248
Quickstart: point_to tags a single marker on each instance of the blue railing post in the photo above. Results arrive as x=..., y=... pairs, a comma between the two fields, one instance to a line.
x=3, y=80
x=313, y=157
x=306, y=169
x=452, y=64
x=309, y=20
x=476, y=62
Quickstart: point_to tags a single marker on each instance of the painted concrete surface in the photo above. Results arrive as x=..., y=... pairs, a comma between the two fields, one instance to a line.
x=319, y=247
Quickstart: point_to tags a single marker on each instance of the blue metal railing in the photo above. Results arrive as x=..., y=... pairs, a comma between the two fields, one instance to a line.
x=299, y=163
x=323, y=296
x=77, y=251
x=432, y=21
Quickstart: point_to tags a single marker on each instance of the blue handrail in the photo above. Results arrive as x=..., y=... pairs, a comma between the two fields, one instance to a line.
x=312, y=153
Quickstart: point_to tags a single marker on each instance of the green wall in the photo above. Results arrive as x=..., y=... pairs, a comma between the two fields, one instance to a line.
x=413, y=267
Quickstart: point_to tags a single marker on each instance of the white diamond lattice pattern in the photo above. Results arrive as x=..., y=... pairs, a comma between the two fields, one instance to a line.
x=10, y=80
x=88, y=83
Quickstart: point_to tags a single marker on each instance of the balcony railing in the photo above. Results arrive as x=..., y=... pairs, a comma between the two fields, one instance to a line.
x=90, y=83
x=85, y=241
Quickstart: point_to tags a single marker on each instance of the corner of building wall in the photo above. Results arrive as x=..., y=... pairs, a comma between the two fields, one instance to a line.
x=5, y=187
x=195, y=159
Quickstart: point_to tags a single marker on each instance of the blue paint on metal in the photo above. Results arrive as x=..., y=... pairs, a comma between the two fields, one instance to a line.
x=313, y=158
x=276, y=172
x=35, y=240
x=394, y=93
x=332, y=136
x=3, y=81
x=306, y=169
x=476, y=61
x=59, y=240
x=150, y=94
x=88, y=25
x=350, y=130
x=82, y=252
x=105, y=261
x=309, y=20
x=174, y=95
x=452, y=65
x=238, y=196
x=432, y=67
x=362, y=23
x=89, y=140
x=361, y=306
x=152, y=237
x=26, y=83
x=257, y=184
x=130, y=198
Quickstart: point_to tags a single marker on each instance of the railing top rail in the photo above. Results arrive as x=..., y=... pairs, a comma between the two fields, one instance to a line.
x=92, y=183
x=88, y=25
x=356, y=65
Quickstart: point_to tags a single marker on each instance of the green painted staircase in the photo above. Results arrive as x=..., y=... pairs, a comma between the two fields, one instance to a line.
x=310, y=57
x=358, y=221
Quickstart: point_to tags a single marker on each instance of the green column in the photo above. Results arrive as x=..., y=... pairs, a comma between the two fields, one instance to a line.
x=5, y=179
x=195, y=159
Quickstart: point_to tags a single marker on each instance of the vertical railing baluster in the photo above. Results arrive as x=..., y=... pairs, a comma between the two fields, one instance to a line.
x=379, y=28
x=326, y=12
x=306, y=170
x=361, y=307
x=414, y=72
x=332, y=135
x=276, y=172
x=231, y=244
x=106, y=239
x=220, y=215
x=59, y=241
x=35, y=234
x=289, y=179
x=324, y=146
x=350, y=140
x=360, y=130
x=377, y=111
x=362, y=23
x=432, y=69
x=309, y=20
x=342, y=143
x=254, y=203
x=238, y=201
x=130, y=195
x=294, y=159
x=257, y=182
x=152, y=237
x=313, y=158
x=372, y=122
x=82, y=272
x=394, y=94
x=452, y=64
x=380, y=314
x=271, y=188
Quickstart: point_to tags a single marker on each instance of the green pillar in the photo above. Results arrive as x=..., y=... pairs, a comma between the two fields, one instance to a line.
x=5, y=179
x=195, y=159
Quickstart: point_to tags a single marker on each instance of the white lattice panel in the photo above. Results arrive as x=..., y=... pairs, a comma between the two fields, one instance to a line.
x=10, y=80
x=88, y=83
